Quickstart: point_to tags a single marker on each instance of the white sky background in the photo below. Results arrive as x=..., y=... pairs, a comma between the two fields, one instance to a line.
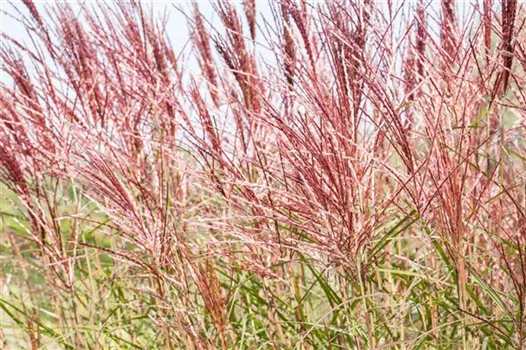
x=176, y=28
x=176, y=25
x=175, y=13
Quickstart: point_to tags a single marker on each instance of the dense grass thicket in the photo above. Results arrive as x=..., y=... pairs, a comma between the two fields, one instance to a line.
x=333, y=175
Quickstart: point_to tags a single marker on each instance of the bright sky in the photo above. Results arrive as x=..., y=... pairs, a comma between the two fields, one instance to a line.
x=176, y=24
x=177, y=28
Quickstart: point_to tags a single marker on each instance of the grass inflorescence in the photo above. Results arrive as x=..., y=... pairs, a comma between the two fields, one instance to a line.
x=334, y=175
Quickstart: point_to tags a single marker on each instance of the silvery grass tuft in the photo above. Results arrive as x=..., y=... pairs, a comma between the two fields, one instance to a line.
x=334, y=175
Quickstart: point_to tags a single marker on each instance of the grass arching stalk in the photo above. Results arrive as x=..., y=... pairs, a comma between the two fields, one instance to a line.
x=443, y=177
x=112, y=127
x=281, y=195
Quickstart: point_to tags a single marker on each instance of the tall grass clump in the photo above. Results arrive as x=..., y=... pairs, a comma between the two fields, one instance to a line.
x=309, y=175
